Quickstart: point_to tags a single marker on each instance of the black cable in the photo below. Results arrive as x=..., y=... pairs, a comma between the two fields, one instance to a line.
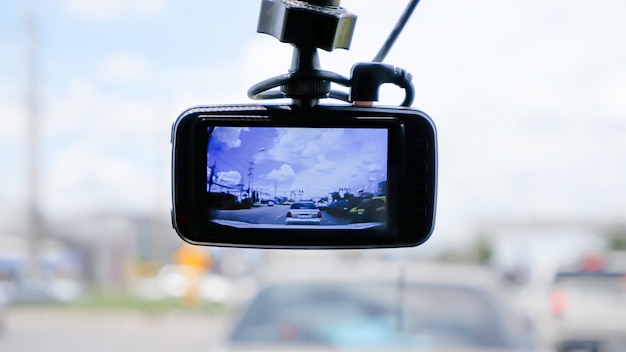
x=339, y=96
x=367, y=77
x=409, y=95
x=257, y=91
x=384, y=50
x=260, y=90
x=404, y=80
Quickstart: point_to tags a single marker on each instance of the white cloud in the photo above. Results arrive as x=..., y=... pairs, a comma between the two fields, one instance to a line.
x=613, y=91
x=81, y=179
x=124, y=68
x=71, y=107
x=113, y=9
x=101, y=148
x=13, y=109
x=12, y=123
x=216, y=83
x=107, y=120
x=13, y=150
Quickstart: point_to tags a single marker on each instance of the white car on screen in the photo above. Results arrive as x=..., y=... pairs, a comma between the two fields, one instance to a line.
x=303, y=213
x=322, y=204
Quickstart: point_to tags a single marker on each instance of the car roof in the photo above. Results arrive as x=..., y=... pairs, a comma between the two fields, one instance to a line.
x=367, y=271
x=583, y=275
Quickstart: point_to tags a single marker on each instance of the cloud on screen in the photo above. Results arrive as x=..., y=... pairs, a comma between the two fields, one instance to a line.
x=229, y=177
x=284, y=173
x=229, y=137
x=341, y=158
x=317, y=161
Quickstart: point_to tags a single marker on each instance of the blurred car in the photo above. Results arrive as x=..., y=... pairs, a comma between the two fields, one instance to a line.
x=383, y=308
x=303, y=213
x=589, y=311
x=370, y=210
x=270, y=203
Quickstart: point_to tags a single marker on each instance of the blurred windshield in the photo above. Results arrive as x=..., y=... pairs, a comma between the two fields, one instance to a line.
x=528, y=100
x=377, y=313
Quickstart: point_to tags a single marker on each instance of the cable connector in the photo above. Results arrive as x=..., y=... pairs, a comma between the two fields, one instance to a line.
x=367, y=77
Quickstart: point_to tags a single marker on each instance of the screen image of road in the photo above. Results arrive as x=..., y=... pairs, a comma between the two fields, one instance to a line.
x=291, y=177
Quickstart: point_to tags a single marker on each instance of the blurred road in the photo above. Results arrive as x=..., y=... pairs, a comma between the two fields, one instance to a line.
x=57, y=330
x=271, y=215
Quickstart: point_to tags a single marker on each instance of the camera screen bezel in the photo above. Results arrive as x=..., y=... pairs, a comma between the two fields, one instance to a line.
x=190, y=211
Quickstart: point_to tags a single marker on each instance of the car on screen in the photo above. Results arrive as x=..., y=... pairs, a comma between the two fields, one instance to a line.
x=322, y=204
x=338, y=208
x=370, y=210
x=303, y=213
x=384, y=308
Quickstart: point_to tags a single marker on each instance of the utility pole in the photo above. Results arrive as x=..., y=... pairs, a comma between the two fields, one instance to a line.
x=34, y=221
x=250, y=174
x=211, y=176
x=250, y=169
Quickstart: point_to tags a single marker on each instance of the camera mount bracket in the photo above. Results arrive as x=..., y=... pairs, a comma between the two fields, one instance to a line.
x=311, y=23
x=322, y=24
x=307, y=25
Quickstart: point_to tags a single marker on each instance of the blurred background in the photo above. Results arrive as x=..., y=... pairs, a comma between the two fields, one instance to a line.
x=529, y=102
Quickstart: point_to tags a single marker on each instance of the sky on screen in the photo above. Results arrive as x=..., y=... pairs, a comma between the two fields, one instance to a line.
x=284, y=160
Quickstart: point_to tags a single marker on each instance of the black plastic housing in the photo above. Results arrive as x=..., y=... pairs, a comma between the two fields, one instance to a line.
x=411, y=176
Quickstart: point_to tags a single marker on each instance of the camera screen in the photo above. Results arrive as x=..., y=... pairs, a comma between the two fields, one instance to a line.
x=295, y=177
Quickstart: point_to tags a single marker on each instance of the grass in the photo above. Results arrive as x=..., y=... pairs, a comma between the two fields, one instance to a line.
x=97, y=301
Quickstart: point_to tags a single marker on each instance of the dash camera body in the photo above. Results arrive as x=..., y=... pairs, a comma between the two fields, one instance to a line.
x=278, y=176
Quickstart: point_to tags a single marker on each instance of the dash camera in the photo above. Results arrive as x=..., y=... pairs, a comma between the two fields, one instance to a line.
x=307, y=175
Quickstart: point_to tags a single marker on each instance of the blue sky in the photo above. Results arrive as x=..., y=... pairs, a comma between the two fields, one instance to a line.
x=528, y=98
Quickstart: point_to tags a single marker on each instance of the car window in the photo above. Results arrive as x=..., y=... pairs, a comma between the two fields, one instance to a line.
x=303, y=206
x=375, y=313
